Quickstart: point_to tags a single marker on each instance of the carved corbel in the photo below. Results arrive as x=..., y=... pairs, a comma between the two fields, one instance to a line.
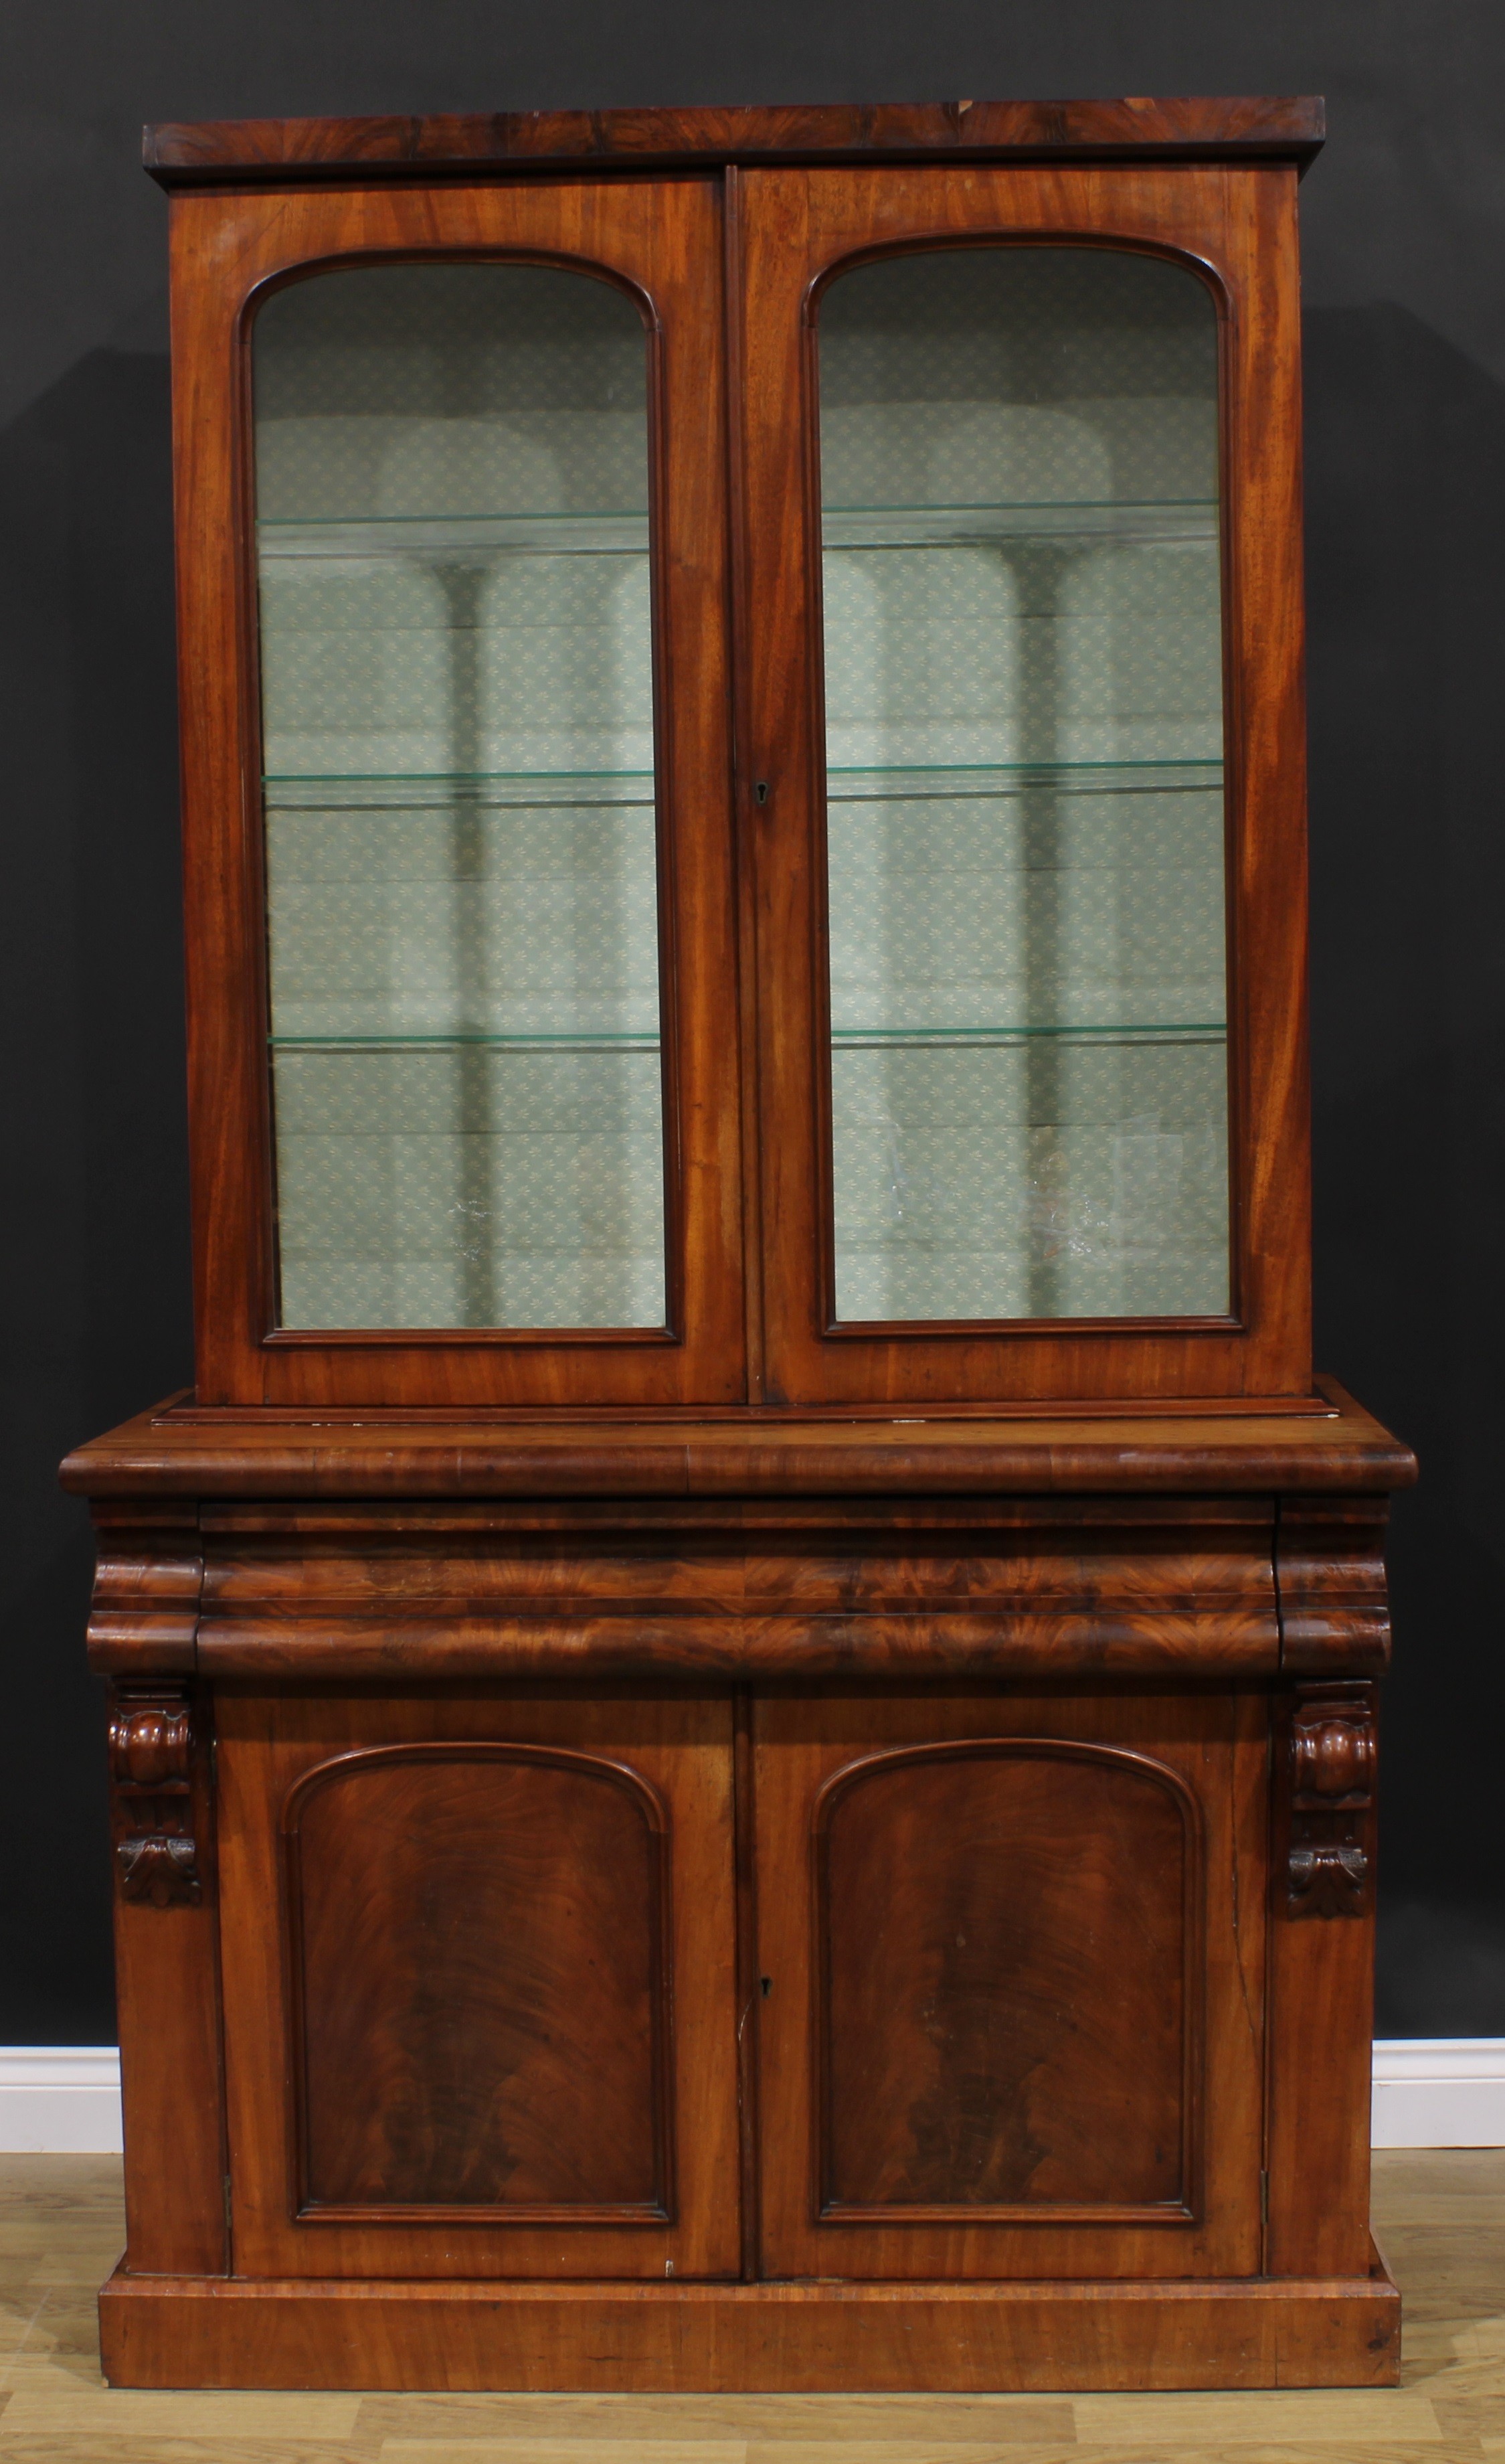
x=151, y=1771
x=1332, y=1780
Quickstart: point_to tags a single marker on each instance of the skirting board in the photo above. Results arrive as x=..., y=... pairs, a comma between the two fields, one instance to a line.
x=1429, y=2092
x=1438, y=2092
x=59, y=2099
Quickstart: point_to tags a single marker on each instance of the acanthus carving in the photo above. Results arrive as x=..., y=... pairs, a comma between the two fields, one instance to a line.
x=1328, y=1878
x=151, y=1765
x=1332, y=1778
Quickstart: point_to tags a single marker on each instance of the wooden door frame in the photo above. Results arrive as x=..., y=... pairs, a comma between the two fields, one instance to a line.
x=1235, y=230
x=660, y=241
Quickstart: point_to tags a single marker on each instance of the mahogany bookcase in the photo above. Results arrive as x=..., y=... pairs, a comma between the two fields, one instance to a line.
x=742, y=1739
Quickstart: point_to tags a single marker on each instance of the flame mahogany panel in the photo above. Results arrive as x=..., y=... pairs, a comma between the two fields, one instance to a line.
x=479, y=1986
x=1043, y=1908
x=1072, y=2090
x=479, y=1946
x=1069, y=1585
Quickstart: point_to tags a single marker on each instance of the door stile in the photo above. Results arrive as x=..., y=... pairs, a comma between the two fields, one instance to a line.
x=749, y=786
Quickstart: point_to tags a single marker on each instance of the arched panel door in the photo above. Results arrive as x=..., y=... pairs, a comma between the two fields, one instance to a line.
x=1012, y=1952
x=479, y=1988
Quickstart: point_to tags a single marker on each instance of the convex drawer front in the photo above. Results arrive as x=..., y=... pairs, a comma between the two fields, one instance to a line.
x=478, y=1987
x=1013, y=1953
x=974, y=1589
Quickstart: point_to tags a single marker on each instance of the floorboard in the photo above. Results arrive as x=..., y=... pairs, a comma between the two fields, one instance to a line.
x=1439, y=2214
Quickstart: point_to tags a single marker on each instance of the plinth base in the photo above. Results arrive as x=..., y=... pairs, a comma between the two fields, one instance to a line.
x=172, y=2331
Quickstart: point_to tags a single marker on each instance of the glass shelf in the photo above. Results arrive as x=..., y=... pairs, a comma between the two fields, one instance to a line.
x=440, y=790
x=464, y=1038
x=887, y=1039
x=1167, y=521
x=846, y=1038
x=911, y=782
x=465, y=538
x=447, y=538
x=908, y=782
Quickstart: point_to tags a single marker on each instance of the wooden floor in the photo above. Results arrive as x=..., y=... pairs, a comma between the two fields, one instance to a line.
x=1440, y=2216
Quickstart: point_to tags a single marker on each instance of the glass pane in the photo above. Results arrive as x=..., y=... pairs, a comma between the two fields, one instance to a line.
x=452, y=474
x=1023, y=669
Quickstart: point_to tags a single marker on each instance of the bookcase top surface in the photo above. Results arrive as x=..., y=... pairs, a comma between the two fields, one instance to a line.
x=1327, y=1443
x=231, y=152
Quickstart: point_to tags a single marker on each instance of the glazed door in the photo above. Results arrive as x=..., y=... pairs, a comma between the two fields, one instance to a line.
x=1012, y=1962
x=1023, y=540
x=457, y=774
x=478, y=1977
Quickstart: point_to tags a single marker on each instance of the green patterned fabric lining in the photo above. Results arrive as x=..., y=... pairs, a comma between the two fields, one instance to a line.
x=462, y=870
x=1024, y=738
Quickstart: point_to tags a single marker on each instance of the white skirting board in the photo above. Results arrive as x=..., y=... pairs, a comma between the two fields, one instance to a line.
x=59, y=2099
x=1429, y=2092
x=1439, y=2092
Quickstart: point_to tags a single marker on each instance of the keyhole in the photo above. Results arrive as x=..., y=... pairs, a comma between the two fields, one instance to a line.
x=760, y=790
x=766, y=1983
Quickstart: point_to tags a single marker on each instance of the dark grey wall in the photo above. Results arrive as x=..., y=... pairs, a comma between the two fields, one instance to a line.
x=1405, y=234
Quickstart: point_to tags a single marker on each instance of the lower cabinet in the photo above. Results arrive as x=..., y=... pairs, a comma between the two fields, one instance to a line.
x=1000, y=2009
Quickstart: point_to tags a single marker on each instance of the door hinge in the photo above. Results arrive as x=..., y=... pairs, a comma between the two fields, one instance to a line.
x=228, y=2219
x=1264, y=2200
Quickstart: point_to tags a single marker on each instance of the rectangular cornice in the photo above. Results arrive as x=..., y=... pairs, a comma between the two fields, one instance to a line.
x=235, y=152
